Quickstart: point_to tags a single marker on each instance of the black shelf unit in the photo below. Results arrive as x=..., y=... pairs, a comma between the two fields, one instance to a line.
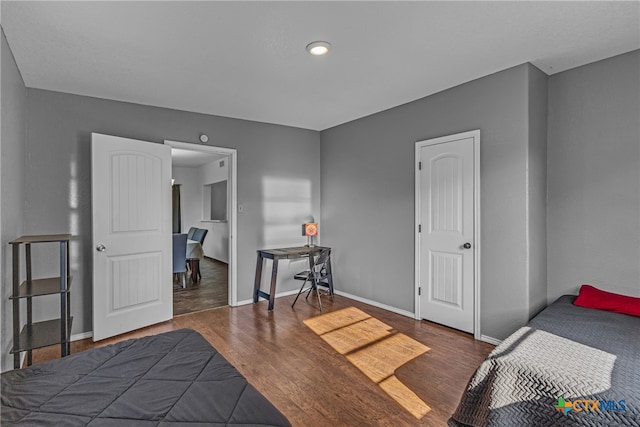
x=49, y=332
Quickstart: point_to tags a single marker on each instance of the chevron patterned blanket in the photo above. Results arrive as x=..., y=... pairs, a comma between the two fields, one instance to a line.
x=569, y=366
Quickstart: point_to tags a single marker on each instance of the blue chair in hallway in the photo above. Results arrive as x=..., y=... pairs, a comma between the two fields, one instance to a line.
x=180, y=257
x=199, y=235
x=191, y=232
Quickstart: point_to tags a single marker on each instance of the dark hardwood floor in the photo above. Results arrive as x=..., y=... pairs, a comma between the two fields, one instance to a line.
x=211, y=291
x=308, y=380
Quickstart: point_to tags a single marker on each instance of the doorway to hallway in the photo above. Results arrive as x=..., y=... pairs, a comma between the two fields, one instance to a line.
x=199, y=170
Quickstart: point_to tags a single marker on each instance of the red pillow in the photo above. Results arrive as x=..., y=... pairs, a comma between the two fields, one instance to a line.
x=591, y=297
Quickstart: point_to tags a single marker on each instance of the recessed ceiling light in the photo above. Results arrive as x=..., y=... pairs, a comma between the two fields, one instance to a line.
x=318, y=48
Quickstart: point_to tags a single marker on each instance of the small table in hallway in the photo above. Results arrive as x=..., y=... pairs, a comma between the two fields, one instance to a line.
x=276, y=255
x=194, y=255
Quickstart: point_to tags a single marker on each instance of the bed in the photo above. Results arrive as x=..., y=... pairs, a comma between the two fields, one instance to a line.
x=569, y=366
x=171, y=379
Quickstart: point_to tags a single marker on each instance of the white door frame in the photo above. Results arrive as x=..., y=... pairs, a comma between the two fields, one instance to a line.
x=475, y=134
x=233, y=201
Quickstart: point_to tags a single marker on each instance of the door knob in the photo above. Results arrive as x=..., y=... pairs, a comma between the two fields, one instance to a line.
x=467, y=245
x=101, y=248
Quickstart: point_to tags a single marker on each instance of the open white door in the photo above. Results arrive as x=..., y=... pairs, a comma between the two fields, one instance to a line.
x=447, y=239
x=131, y=212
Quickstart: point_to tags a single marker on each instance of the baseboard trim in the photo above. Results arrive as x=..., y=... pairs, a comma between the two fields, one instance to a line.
x=377, y=304
x=243, y=302
x=81, y=336
x=278, y=295
x=346, y=295
x=490, y=340
x=216, y=259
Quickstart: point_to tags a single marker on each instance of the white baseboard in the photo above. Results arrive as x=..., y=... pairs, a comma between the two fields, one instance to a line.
x=243, y=302
x=377, y=304
x=278, y=295
x=484, y=338
x=490, y=340
x=346, y=295
x=81, y=336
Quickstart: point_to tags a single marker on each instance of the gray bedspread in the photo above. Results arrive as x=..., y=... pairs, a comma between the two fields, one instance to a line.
x=171, y=379
x=589, y=358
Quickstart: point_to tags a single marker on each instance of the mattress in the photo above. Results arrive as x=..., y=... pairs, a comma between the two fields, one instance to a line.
x=569, y=366
x=171, y=379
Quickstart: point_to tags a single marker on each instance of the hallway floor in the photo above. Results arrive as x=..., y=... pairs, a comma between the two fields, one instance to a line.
x=211, y=291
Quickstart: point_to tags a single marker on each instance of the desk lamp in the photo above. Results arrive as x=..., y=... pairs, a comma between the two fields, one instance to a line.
x=310, y=229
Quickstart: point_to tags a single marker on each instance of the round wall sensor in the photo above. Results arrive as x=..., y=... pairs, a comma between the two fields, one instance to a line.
x=204, y=138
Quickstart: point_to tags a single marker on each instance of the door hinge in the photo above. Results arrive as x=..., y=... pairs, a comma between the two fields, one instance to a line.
x=419, y=166
x=419, y=290
x=419, y=228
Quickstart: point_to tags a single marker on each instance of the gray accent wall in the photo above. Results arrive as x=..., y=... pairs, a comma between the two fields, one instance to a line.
x=368, y=193
x=13, y=118
x=537, y=194
x=58, y=184
x=594, y=177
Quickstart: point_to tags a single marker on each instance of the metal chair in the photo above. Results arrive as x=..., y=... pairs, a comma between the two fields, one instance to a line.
x=180, y=257
x=318, y=275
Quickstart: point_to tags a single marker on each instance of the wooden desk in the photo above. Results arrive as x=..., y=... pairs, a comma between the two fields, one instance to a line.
x=276, y=255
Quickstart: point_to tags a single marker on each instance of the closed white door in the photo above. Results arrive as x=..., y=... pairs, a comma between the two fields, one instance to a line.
x=446, y=246
x=131, y=212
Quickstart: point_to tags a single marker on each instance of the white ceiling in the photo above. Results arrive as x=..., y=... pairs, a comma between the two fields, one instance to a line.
x=192, y=158
x=248, y=60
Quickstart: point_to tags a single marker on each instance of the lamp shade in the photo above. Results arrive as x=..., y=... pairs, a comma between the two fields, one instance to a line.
x=310, y=229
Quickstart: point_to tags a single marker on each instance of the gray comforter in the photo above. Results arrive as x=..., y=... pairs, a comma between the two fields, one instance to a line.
x=589, y=358
x=171, y=379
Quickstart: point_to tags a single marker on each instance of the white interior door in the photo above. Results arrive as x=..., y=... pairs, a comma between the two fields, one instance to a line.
x=446, y=245
x=131, y=212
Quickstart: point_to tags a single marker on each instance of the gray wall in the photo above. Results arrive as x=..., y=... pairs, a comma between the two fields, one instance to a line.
x=537, y=195
x=14, y=100
x=368, y=193
x=594, y=177
x=58, y=171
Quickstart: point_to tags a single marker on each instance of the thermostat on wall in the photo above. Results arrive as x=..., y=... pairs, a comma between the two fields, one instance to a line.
x=204, y=138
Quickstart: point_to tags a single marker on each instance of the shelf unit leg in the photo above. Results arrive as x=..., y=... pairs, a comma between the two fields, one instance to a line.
x=64, y=327
x=27, y=248
x=68, y=278
x=16, y=304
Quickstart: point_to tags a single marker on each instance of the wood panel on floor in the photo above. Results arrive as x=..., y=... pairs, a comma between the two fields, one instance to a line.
x=312, y=383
